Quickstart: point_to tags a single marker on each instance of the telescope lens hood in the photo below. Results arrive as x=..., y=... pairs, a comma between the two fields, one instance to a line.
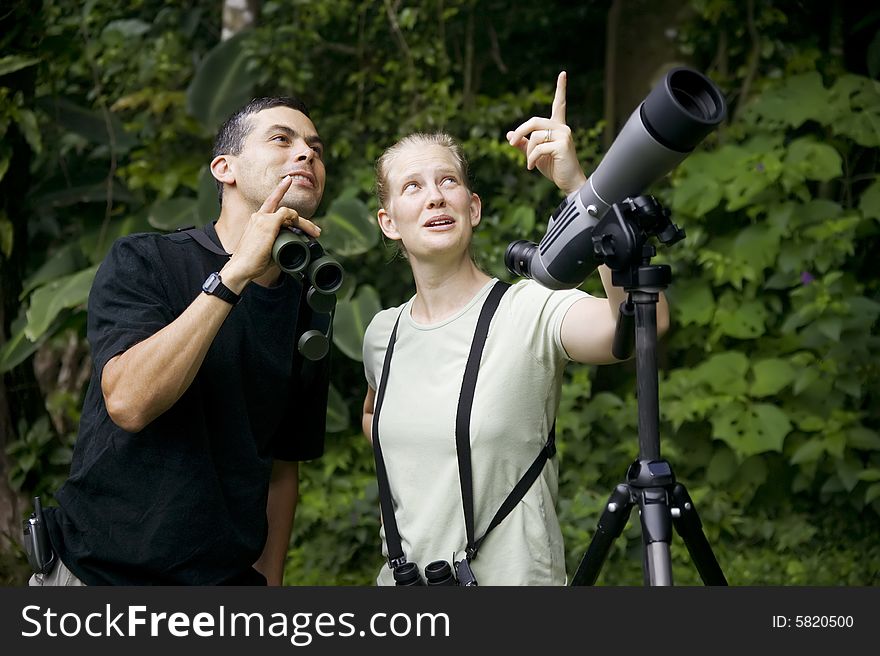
x=683, y=109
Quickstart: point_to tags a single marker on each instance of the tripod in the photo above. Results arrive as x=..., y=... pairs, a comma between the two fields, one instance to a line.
x=620, y=241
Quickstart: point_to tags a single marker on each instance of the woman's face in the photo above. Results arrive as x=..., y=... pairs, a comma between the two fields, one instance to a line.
x=429, y=208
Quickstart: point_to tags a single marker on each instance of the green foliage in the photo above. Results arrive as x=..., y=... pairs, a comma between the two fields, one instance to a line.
x=769, y=376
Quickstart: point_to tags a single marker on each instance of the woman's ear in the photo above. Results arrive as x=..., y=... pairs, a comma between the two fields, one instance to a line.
x=221, y=170
x=476, y=210
x=386, y=224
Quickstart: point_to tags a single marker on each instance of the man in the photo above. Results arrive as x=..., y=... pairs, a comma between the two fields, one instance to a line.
x=185, y=467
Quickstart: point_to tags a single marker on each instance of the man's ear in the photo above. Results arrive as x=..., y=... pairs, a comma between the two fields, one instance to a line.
x=476, y=210
x=386, y=224
x=221, y=170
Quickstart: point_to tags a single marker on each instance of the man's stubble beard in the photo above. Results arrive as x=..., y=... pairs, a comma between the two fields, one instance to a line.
x=304, y=204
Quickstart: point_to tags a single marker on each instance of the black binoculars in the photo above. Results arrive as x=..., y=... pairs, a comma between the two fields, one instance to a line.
x=296, y=252
x=436, y=573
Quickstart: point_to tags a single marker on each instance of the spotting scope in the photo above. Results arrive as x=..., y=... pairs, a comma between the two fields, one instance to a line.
x=664, y=129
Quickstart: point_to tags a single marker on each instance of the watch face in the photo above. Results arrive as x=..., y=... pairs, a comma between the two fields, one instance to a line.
x=211, y=283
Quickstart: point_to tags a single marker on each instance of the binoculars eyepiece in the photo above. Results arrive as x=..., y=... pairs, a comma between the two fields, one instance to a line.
x=296, y=252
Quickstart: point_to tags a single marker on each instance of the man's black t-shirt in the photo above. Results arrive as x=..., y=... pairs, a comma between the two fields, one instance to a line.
x=183, y=502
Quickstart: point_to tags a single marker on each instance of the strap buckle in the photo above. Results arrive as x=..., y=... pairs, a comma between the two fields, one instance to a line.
x=394, y=563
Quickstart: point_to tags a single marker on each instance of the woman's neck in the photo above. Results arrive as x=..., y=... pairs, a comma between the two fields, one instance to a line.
x=443, y=291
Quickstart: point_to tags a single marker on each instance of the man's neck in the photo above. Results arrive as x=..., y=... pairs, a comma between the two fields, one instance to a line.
x=230, y=228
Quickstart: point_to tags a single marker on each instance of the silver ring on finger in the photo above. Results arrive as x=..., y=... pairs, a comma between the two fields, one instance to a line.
x=547, y=138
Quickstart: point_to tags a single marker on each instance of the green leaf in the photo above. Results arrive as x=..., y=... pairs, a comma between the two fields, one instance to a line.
x=94, y=125
x=208, y=209
x=722, y=466
x=173, y=213
x=810, y=451
x=27, y=123
x=86, y=193
x=12, y=63
x=743, y=322
x=871, y=474
x=855, y=109
x=128, y=27
x=18, y=349
x=696, y=193
x=5, y=159
x=222, y=83
x=521, y=218
x=348, y=228
x=337, y=412
x=757, y=245
x=860, y=437
x=797, y=99
x=691, y=302
x=65, y=260
x=805, y=378
x=815, y=161
x=869, y=201
x=771, y=375
x=848, y=470
x=7, y=231
x=872, y=493
x=351, y=321
x=49, y=300
x=830, y=327
x=96, y=242
x=725, y=372
x=753, y=429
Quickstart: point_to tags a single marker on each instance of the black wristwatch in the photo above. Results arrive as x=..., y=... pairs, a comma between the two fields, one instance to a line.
x=214, y=285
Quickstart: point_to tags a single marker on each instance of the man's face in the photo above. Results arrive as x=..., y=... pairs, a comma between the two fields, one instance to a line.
x=282, y=141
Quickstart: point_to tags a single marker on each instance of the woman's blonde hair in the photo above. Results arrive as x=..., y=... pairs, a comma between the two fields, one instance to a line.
x=417, y=139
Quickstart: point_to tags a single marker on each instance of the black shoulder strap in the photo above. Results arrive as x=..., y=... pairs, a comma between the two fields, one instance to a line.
x=392, y=535
x=519, y=490
x=200, y=235
x=463, y=436
x=466, y=403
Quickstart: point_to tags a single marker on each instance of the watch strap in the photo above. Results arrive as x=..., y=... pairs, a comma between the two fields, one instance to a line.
x=214, y=285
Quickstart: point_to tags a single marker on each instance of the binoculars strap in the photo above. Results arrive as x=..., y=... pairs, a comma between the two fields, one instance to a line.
x=463, y=436
x=465, y=405
x=392, y=535
x=201, y=237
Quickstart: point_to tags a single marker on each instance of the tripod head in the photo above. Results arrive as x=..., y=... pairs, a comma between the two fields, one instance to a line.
x=621, y=241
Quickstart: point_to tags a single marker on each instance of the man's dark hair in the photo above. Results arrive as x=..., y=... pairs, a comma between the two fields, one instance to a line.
x=231, y=135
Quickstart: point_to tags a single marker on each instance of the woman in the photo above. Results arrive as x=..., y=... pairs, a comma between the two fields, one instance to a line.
x=427, y=206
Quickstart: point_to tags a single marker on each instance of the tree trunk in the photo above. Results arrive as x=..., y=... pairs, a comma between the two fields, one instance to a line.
x=640, y=50
x=238, y=15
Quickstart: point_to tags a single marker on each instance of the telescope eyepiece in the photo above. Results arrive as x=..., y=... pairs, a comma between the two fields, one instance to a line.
x=518, y=257
x=683, y=109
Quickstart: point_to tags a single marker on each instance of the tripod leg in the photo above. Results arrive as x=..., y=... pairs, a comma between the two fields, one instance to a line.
x=690, y=528
x=610, y=526
x=656, y=535
x=658, y=564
